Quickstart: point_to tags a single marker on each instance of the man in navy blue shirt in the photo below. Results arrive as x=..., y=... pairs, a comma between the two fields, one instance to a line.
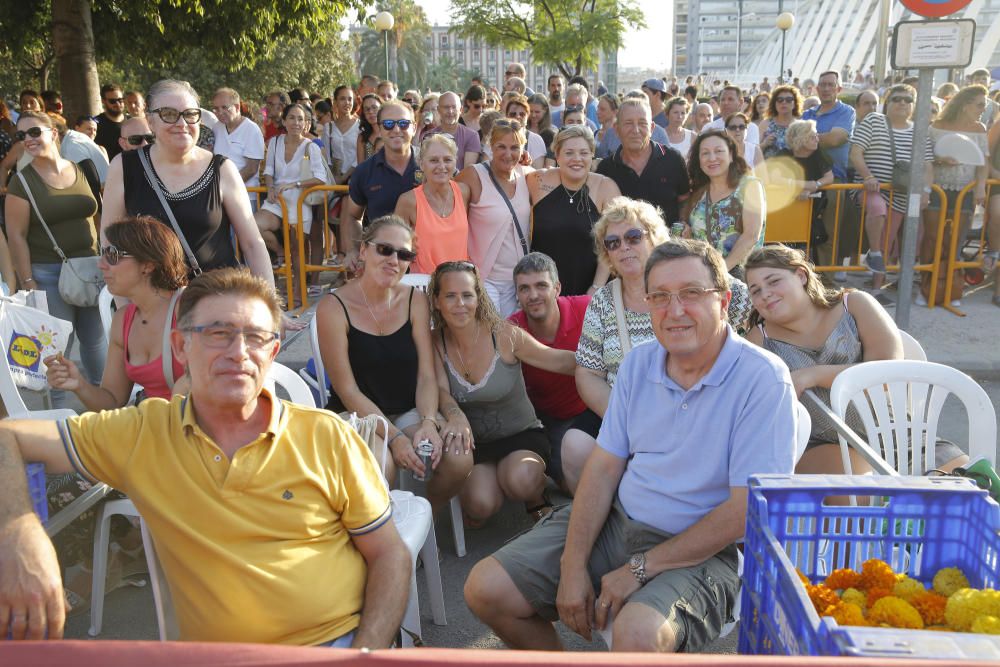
x=379, y=181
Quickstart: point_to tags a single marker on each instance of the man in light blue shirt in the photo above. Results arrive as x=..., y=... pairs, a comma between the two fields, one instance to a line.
x=662, y=499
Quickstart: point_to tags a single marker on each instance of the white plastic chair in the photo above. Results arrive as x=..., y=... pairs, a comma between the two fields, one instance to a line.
x=284, y=377
x=105, y=305
x=454, y=505
x=900, y=404
x=414, y=520
x=912, y=349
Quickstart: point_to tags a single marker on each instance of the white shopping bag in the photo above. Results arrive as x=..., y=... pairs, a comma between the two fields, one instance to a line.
x=29, y=335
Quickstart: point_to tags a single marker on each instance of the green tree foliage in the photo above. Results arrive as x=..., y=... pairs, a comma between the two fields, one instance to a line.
x=447, y=74
x=568, y=34
x=407, y=45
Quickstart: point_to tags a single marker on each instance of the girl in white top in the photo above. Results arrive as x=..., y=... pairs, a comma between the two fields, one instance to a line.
x=678, y=138
x=340, y=136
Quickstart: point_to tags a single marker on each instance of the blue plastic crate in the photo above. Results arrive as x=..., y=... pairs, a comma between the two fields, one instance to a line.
x=36, y=489
x=919, y=525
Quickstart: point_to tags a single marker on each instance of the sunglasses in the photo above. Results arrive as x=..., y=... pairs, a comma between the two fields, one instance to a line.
x=905, y=99
x=170, y=115
x=507, y=122
x=114, y=100
x=786, y=100
x=387, y=250
x=33, y=132
x=633, y=236
x=403, y=124
x=737, y=128
x=574, y=107
x=137, y=139
x=112, y=255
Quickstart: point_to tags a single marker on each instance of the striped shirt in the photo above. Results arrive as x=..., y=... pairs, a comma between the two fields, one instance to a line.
x=872, y=136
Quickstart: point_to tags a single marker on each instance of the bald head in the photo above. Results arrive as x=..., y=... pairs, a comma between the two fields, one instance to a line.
x=702, y=115
x=134, y=133
x=449, y=107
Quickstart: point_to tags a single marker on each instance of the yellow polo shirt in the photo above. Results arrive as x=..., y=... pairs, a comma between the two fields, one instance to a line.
x=257, y=549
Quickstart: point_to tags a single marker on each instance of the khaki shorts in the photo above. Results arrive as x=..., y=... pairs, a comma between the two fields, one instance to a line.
x=697, y=601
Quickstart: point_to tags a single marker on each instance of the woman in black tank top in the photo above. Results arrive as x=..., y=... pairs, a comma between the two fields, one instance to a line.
x=375, y=340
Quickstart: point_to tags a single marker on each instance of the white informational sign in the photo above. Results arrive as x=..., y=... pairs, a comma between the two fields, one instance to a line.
x=933, y=44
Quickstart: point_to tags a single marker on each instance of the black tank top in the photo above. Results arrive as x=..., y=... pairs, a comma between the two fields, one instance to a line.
x=198, y=209
x=385, y=367
x=563, y=231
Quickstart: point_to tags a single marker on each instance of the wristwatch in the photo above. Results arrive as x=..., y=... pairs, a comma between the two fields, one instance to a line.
x=637, y=566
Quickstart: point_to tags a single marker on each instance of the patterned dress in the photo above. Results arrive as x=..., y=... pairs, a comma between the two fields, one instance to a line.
x=721, y=223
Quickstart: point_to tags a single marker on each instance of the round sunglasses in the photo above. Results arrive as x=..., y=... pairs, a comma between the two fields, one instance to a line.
x=632, y=237
x=33, y=132
x=112, y=254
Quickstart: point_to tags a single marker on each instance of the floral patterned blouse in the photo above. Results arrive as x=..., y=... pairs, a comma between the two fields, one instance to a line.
x=720, y=223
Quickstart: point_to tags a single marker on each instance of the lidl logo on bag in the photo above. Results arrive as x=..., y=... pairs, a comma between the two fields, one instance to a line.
x=24, y=352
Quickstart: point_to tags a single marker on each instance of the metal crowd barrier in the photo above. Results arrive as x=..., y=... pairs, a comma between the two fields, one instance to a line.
x=954, y=259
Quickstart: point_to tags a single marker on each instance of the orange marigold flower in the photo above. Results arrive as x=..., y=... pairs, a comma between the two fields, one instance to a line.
x=847, y=613
x=931, y=606
x=876, y=594
x=822, y=597
x=876, y=573
x=843, y=578
x=896, y=613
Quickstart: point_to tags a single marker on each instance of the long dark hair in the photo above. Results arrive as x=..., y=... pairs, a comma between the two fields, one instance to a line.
x=737, y=169
x=363, y=125
x=542, y=101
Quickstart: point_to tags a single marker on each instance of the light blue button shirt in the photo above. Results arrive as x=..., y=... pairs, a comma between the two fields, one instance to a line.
x=841, y=115
x=685, y=448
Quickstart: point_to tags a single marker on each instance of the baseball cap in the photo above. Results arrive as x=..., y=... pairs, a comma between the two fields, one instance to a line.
x=655, y=84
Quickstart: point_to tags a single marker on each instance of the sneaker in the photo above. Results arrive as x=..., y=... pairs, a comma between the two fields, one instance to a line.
x=876, y=264
x=921, y=299
x=956, y=303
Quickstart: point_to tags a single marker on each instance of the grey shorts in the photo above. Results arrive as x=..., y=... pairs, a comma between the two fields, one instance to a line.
x=697, y=601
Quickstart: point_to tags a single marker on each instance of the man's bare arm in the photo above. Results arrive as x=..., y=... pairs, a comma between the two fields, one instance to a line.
x=707, y=537
x=387, y=588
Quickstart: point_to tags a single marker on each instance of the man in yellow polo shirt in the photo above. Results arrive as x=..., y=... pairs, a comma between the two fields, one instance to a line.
x=271, y=520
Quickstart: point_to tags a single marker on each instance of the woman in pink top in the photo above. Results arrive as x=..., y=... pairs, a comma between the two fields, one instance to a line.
x=143, y=263
x=436, y=210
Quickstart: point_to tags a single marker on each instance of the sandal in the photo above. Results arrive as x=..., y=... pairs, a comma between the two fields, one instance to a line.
x=539, y=512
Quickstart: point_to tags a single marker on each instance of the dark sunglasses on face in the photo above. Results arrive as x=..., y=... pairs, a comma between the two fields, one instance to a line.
x=171, y=116
x=507, y=122
x=33, y=132
x=905, y=99
x=387, y=250
x=402, y=123
x=786, y=100
x=633, y=236
x=137, y=139
x=574, y=107
x=114, y=100
x=737, y=128
x=113, y=255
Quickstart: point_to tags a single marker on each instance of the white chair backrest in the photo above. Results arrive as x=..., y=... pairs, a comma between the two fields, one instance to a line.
x=418, y=280
x=367, y=428
x=803, y=430
x=105, y=304
x=912, y=350
x=900, y=404
x=296, y=388
x=318, y=362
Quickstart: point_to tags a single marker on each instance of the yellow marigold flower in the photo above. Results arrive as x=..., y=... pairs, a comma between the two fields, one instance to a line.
x=931, y=606
x=854, y=596
x=986, y=625
x=876, y=573
x=967, y=604
x=847, y=613
x=908, y=588
x=876, y=594
x=822, y=597
x=843, y=578
x=895, y=612
x=948, y=580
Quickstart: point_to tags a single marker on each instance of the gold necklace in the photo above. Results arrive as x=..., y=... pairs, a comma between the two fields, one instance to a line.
x=458, y=346
x=378, y=324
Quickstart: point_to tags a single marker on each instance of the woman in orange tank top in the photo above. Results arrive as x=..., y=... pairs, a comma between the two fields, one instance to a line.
x=437, y=209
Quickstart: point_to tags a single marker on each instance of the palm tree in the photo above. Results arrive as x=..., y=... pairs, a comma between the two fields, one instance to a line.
x=407, y=45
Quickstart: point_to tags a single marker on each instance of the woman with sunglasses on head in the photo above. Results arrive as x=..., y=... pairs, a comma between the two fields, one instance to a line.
x=369, y=134
x=68, y=197
x=482, y=393
x=499, y=212
x=436, y=209
x=375, y=340
x=204, y=192
x=142, y=262
x=785, y=106
x=566, y=202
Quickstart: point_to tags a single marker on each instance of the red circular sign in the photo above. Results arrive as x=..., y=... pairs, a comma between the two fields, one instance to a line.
x=934, y=8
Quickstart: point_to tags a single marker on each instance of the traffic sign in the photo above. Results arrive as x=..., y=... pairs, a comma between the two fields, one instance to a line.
x=934, y=8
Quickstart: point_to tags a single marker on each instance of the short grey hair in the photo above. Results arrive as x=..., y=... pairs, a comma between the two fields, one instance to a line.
x=536, y=262
x=641, y=103
x=164, y=86
x=578, y=89
x=798, y=131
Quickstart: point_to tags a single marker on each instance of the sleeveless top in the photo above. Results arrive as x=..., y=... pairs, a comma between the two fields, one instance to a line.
x=440, y=239
x=198, y=209
x=778, y=131
x=497, y=406
x=563, y=230
x=493, y=243
x=150, y=374
x=385, y=367
x=842, y=346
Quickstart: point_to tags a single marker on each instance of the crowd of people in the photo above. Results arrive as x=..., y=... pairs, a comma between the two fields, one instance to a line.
x=600, y=307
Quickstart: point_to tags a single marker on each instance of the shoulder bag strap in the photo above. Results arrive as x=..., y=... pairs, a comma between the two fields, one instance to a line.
x=34, y=205
x=166, y=355
x=892, y=140
x=619, y=300
x=510, y=207
x=154, y=184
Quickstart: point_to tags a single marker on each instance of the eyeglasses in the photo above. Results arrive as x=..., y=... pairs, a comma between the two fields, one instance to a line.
x=507, y=122
x=905, y=99
x=112, y=255
x=114, y=100
x=688, y=296
x=402, y=123
x=632, y=237
x=786, y=100
x=170, y=115
x=33, y=132
x=387, y=250
x=736, y=128
x=221, y=336
x=574, y=107
x=137, y=139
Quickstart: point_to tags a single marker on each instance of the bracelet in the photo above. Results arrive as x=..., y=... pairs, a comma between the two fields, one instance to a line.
x=398, y=433
x=431, y=420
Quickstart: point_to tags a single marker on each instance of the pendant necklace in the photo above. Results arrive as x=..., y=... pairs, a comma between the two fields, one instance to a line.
x=378, y=324
x=458, y=346
x=582, y=206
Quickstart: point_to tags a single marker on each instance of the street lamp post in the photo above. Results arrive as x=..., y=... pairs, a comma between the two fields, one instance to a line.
x=383, y=23
x=784, y=23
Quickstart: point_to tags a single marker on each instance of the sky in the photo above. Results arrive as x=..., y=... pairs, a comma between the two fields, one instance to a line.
x=646, y=48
